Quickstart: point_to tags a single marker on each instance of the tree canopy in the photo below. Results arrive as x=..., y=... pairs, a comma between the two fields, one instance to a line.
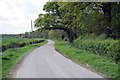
x=77, y=18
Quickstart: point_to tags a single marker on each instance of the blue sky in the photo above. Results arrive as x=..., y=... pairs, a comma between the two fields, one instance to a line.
x=15, y=15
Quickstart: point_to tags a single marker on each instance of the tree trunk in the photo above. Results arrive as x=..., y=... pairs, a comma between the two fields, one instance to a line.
x=107, y=13
x=70, y=36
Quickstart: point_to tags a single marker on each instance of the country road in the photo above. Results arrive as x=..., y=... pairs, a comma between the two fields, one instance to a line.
x=45, y=62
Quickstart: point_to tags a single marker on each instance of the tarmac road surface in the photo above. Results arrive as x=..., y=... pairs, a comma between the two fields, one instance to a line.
x=46, y=62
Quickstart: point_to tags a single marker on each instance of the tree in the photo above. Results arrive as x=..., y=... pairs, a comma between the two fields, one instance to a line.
x=51, y=34
x=58, y=17
x=77, y=18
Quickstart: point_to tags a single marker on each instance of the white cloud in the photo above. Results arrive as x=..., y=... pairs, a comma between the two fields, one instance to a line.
x=15, y=15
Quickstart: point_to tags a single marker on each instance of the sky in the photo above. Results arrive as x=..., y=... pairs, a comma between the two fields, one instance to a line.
x=16, y=15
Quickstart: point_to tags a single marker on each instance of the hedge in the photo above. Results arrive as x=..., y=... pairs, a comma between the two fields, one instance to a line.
x=19, y=44
x=107, y=47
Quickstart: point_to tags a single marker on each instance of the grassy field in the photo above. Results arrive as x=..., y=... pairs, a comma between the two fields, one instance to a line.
x=7, y=41
x=12, y=57
x=101, y=64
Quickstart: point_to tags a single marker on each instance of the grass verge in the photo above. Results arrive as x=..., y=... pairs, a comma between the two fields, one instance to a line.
x=12, y=57
x=94, y=62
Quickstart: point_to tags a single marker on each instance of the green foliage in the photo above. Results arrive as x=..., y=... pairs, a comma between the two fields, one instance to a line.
x=116, y=19
x=97, y=45
x=81, y=18
x=92, y=61
x=51, y=34
x=7, y=41
x=58, y=34
x=43, y=33
x=18, y=42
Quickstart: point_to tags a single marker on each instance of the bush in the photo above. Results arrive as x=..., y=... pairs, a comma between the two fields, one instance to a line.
x=20, y=44
x=96, y=45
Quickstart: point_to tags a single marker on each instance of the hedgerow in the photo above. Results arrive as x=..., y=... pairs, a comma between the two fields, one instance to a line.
x=20, y=44
x=100, y=46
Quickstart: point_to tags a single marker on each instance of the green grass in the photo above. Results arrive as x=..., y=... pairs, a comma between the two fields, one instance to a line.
x=7, y=40
x=12, y=57
x=97, y=63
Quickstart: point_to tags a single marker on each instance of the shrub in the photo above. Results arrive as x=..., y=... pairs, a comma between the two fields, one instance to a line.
x=20, y=44
x=96, y=45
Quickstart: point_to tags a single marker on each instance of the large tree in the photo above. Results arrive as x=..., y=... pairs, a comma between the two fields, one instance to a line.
x=59, y=17
x=77, y=18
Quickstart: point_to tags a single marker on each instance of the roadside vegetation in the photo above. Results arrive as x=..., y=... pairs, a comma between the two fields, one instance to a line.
x=8, y=43
x=10, y=40
x=100, y=64
x=12, y=56
x=99, y=45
